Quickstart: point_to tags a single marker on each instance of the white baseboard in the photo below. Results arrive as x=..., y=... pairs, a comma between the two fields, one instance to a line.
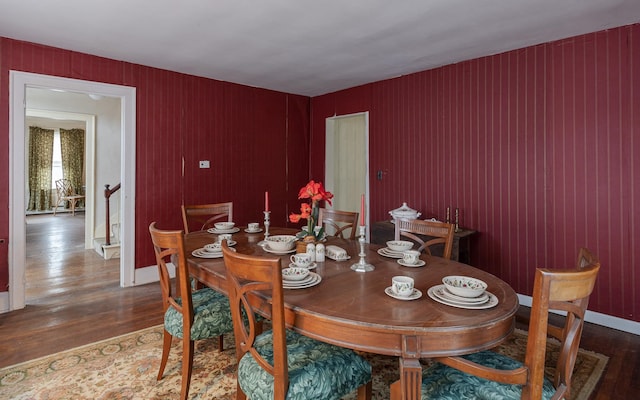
x=609, y=321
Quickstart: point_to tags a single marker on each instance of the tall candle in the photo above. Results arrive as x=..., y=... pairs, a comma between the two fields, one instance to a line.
x=362, y=210
x=266, y=201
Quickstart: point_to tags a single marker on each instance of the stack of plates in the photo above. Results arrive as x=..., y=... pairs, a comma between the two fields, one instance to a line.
x=202, y=253
x=218, y=231
x=311, y=280
x=440, y=294
x=387, y=252
x=270, y=250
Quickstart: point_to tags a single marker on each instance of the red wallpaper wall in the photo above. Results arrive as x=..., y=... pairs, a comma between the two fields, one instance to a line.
x=256, y=139
x=538, y=147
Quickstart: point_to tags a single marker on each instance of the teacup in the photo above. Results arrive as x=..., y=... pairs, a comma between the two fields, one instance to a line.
x=225, y=236
x=253, y=226
x=402, y=285
x=411, y=256
x=213, y=247
x=301, y=259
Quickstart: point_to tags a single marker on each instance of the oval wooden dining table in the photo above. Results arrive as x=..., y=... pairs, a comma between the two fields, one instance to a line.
x=351, y=309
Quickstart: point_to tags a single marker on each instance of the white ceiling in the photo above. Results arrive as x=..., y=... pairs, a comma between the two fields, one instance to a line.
x=307, y=47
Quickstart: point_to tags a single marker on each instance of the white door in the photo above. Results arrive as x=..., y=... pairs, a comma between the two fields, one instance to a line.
x=347, y=162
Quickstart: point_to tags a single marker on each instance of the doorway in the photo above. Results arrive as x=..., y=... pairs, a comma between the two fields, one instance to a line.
x=19, y=82
x=347, y=162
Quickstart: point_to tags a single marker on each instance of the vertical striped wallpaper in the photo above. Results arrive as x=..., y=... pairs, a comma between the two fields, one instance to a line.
x=538, y=147
x=255, y=140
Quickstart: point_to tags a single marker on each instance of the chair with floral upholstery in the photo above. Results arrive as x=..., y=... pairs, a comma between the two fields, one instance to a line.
x=189, y=315
x=489, y=375
x=279, y=363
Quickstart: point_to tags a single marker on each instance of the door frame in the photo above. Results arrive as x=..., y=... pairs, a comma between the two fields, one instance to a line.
x=18, y=82
x=328, y=176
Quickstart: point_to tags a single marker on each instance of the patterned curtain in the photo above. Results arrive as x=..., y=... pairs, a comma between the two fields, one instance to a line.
x=72, y=146
x=40, y=160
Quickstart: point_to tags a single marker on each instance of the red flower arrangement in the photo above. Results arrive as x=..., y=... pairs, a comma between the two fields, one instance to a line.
x=315, y=192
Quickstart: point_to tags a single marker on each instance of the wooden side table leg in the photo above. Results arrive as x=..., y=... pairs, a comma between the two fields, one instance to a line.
x=409, y=385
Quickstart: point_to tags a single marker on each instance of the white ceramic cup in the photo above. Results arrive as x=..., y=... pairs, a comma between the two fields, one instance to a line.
x=301, y=259
x=253, y=226
x=402, y=285
x=411, y=256
x=224, y=236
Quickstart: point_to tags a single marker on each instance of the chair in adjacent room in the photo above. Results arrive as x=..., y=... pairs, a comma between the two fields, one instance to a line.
x=65, y=192
x=338, y=223
x=203, y=216
x=189, y=315
x=278, y=361
x=558, y=290
x=441, y=232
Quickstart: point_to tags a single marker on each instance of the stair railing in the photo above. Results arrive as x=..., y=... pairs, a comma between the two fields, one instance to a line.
x=107, y=194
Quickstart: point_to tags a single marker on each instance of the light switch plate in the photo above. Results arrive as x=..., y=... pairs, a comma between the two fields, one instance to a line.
x=204, y=164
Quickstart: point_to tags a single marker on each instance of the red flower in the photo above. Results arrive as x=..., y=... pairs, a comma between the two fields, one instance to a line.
x=315, y=192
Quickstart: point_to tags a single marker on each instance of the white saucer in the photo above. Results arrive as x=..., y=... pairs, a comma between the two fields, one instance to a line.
x=268, y=250
x=232, y=230
x=492, y=302
x=256, y=231
x=311, y=280
x=386, y=252
x=416, y=294
x=420, y=263
x=202, y=253
x=311, y=266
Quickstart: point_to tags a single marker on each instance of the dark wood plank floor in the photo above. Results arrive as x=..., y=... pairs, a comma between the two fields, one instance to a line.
x=74, y=298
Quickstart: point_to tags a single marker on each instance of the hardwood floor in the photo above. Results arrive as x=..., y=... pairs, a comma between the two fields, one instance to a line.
x=74, y=298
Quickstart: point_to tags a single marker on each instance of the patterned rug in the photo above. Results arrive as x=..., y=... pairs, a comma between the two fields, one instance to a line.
x=125, y=367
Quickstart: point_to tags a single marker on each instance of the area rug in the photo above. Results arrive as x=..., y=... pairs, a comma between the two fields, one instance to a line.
x=125, y=367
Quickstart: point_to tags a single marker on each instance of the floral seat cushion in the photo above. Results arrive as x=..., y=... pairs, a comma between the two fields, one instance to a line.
x=445, y=383
x=212, y=316
x=317, y=370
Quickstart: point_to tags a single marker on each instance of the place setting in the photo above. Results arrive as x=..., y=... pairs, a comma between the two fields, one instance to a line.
x=411, y=259
x=224, y=227
x=402, y=288
x=395, y=248
x=253, y=227
x=211, y=250
x=463, y=292
x=299, y=278
x=302, y=260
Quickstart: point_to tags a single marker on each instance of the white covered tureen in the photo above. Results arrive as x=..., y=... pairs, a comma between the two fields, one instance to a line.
x=404, y=212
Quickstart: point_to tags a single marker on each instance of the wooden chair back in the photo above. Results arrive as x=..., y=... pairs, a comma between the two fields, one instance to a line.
x=203, y=216
x=339, y=222
x=169, y=248
x=441, y=232
x=557, y=290
x=246, y=274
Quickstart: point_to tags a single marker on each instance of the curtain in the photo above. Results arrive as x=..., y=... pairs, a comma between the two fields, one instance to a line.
x=72, y=147
x=40, y=159
x=349, y=162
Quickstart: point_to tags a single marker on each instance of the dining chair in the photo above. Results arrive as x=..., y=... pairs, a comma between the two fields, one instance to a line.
x=188, y=315
x=66, y=192
x=205, y=215
x=505, y=378
x=280, y=363
x=441, y=232
x=339, y=222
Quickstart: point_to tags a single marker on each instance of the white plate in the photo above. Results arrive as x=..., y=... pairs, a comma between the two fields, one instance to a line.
x=256, y=231
x=232, y=230
x=420, y=263
x=311, y=266
x=202, y=253
x=269, y=250
x=386, y=252
x=443, y=293
x=312, y=280
x=492, y=302
x=416, y=294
